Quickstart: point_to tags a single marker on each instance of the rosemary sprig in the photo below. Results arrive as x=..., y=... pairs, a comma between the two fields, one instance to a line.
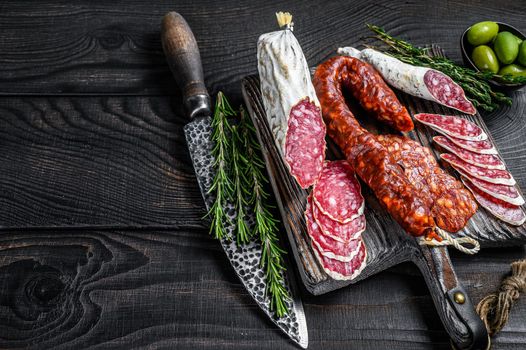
x=474, y=83
x=222, y=186
x=265, y=226
x=240, y=180
x=241, y=189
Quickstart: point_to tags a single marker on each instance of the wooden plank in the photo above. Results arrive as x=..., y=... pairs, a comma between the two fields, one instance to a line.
x=63, y=289
x=95, y=161
x=60, y=47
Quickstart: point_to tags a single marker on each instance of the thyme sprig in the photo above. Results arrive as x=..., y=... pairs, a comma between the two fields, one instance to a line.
x=474, y=83
x=266, y=227
x=240, y=180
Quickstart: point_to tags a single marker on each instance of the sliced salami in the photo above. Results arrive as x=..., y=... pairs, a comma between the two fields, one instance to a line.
x=421, y=82
x=495, y=176
x=512, y=214
x=482, y=147
x=340, y=270
x=337, y=192
x=305, y=142
x=489, y=161
x=336, y=230
x=451, y=125
x=292, y=108
x=327, y=246
x=505, y=193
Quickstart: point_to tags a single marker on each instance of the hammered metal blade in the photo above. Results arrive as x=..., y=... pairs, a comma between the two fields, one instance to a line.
x=244, y=259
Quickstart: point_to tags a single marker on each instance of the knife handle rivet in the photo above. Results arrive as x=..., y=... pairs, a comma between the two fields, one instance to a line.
x=459, y=298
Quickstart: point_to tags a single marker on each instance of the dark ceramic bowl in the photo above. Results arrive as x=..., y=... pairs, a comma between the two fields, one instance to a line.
x=467, y=48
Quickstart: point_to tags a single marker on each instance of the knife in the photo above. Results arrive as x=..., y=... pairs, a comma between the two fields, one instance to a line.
x=182, y=54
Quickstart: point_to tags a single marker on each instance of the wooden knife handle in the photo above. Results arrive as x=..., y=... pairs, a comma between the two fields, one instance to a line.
x=464, y=326
x=182, y=54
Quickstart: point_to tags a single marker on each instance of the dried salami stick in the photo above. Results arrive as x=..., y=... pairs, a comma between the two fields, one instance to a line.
x=291, y=105
x=422, y=82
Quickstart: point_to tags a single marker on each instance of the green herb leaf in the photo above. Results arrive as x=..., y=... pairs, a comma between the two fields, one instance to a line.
x=222, y=186
x=266, y=227
x=240, y=180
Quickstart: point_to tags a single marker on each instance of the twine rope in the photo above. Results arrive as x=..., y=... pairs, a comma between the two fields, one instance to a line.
x=494, y=309
x=465, y=244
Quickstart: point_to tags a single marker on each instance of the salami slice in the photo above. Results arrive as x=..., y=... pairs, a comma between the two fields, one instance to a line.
x=489, y=161
x=495, y=176
x=340, y=270
x=337, y=192
x=327, y=246
x=336, y=230
x=482, y=147
x=454, y=126
x=421, y=82
x=305, y=142
x=505, y=193
x=506, y=212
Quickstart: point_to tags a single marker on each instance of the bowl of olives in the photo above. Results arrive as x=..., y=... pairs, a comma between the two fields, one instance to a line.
x=497, y=48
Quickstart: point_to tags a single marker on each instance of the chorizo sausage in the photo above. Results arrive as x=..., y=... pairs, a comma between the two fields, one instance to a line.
x=404, y=176
x=369, y=158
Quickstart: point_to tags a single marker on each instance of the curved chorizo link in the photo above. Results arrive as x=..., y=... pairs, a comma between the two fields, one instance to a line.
x=369, y=158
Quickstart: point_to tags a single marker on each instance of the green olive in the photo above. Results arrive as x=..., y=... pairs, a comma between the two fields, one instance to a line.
x=506, y=47
x=485, y=59
x=514, y=70
x=482, y=33
x=521, y=57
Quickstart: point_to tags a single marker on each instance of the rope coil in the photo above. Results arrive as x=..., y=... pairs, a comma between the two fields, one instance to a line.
x=494, y=309
x=465, y=244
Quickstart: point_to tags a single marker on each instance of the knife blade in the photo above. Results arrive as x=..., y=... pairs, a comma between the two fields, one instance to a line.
x=183, y=57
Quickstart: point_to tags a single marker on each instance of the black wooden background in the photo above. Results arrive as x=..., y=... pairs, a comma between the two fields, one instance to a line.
x=102, y=244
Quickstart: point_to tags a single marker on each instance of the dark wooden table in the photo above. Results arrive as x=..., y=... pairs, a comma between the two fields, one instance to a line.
x=103, y=243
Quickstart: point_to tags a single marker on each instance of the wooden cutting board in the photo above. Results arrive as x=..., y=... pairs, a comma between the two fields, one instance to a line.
x=387, y=244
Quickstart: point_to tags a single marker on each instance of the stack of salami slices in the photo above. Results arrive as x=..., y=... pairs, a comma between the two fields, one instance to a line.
x=475, y=158
x=335, y=221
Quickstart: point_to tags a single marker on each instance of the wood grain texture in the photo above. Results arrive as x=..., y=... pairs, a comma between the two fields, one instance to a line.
x=174, y=289
x=95, y=161
x=146, y=288
x=115, y=47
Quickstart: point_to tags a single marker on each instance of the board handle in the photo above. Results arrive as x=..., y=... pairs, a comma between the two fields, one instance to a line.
x=464, y=326
x=182, y=55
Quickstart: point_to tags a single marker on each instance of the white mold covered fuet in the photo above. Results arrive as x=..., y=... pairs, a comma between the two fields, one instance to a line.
x=286, y=84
